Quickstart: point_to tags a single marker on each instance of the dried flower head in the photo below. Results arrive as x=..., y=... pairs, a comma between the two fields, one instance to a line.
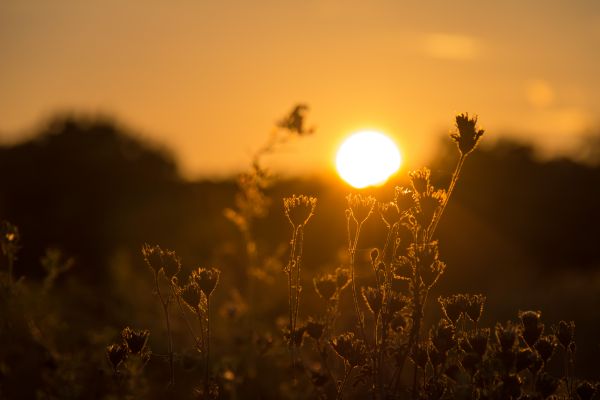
x=171, y=263
x=474, y=307
x=153, y=257
x=404, y=199
x=545, y=347
x=9, y=238
x=191, y=296
x=135, y=340
x=468, y=135
x=315, y=329
x=565, y=331
x=442, y=336
x=429, y=204
x=206, y=279
x=525, y=359
x=532, y=326
x=453, y=307
x=389, y=213
x=294, y=122
x=373, y=298
x=507, y=336
x=352, y=350
x=478, y=341
x=396, y=302
x=420, y=180
x=342, y=278
x=326, y=286
x=299, y=209
x=427, y=261
x=360, y=206
x=116, y=354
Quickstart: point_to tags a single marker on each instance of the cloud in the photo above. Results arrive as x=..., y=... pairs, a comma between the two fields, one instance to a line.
x=539, y=93
x=451, y=46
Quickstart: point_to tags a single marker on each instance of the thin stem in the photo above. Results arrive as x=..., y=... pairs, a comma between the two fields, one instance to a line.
x=354, y=293
x=290, y=266
x=206, y=372
x=344, y=381
x=187, y=321
x=455, y=176
x=165, y=304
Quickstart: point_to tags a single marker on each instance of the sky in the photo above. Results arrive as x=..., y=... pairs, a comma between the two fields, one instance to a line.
x=208, y=79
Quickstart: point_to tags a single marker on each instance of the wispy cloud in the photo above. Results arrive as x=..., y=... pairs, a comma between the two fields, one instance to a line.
x=451, y=46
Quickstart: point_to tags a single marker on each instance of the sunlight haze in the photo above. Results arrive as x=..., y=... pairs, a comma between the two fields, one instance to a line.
x=209, y=79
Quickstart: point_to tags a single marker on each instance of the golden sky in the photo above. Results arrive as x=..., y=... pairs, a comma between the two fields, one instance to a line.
x=209, y=78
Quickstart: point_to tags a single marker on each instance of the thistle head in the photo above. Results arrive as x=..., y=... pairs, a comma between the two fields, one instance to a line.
x=206, y=279
x=373, y=299
x=116, y=354
x=360, y=207
x=467, y=135
x=349, y=348
x=299, y=209
x=135, y=339
x=326, y=286
x=153, y=257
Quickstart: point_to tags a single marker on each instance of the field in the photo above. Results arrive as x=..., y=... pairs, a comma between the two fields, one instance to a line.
x=473, y=278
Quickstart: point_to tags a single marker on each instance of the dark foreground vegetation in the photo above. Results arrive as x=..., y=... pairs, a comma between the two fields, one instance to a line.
x=121, y=280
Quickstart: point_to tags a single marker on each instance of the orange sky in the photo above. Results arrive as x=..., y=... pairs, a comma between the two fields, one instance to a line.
x=208, y=79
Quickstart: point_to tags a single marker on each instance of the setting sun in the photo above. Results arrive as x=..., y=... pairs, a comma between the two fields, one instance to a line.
x=367, y=158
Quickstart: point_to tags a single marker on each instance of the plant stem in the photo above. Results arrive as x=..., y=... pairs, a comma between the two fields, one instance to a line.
x=455, y=176
x=165, y=304
x=206, y=372
x=354, y=293
x=348, y=370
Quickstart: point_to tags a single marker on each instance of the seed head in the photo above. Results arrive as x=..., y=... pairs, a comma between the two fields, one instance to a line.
x=420, y=180
x=389, y=213
x=326, y=286
x=116, y=354
x=206, y=279
x=191, y=296
x=352, y=350
x=507, y=336
x=299, y=209
x=342, y=278
x=396, y=302
x=467, y=135
x=478, y=341
x=404, y=199
x=511, y=386
x=474, y=306
x=453, y=307
x=373, y=299
x=153, y=257
x=565, y=331
x=442, y=336
x=532, y=326
x=429, y=204
x=360, y=206
x=545, y=347
x=525, y=359
x=171, y=263
x=135, y=340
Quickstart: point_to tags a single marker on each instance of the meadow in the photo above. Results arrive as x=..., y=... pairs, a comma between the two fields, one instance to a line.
x=268, y=288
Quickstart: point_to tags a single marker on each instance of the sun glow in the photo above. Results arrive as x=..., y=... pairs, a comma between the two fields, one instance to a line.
x=367, y=158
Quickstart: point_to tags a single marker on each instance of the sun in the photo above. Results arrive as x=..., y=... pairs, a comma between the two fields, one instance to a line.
x=367, y=158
